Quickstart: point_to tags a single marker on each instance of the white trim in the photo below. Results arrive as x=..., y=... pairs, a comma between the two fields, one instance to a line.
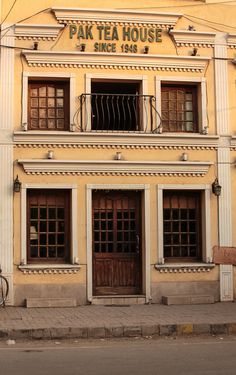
x=60, y=59
x=37, y=32
x=141, y=187
x=163, y=19
x=193, y=38
x=116, y=139
x=113, y=167
x=74, y=227
x=114, y=77
x=46, y=75
x=202, y=97
x=206, y=218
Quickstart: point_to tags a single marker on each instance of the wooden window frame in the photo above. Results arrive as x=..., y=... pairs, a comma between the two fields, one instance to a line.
x=56, y=84
x=193, y=90
x=47, y=195
x=175, y=238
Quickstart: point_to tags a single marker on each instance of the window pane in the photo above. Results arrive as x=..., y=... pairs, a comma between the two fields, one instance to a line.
x=42, y=91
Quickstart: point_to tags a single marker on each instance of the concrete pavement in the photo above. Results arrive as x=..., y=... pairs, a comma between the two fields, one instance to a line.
x=117, y=321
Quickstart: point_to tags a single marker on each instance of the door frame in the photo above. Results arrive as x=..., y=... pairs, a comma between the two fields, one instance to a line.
x=146, y=287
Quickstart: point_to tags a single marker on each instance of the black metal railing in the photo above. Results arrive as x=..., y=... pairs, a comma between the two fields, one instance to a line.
x=116, y=112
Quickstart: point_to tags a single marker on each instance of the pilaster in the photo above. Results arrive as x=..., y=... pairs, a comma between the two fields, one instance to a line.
x=6, y=158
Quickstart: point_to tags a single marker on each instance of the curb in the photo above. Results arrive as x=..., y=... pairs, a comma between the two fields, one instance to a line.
x=118, y=331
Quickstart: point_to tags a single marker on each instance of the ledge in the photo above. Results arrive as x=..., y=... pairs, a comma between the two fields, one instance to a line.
x=49, y=269
x=113, y=140
x=115, y=167
x=119, y=17
x=37, y=32
x=97, y=60
x=184, y=268
x=193, y=38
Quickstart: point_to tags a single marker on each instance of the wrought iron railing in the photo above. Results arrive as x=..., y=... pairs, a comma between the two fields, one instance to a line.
x=116, y=112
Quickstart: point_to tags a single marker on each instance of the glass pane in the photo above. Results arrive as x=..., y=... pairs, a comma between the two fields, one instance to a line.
x=42, y=91
x=34, y=213
x=51, y=102
x=34, y=102
x=61, y=226
x=60, y=113
x=60, y=92
x=52, y=252
x=60, y=213
x=42, y=102
x=52, y=226
x=51, y=91
x=43, y=226
x=60, y=102
x=33, y=251
x=42, y=113
x=43, y=252
x=51, y=113
x=60, y=124
x=43, y=239
x=51, y=213
x=33, y=92
x=51, y=124
x=34, y=124
x=43, y=213
x=42, y=123
x=60, y=251
x=34, y=113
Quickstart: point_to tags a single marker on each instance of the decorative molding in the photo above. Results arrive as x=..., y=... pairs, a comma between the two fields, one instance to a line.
x=37, y=32
x=193, y=38
x=67, y=59
x=184, y=268
x=49, y=270
x=233, y=142
x=35, y=139
x=231, y=40
x=115, y=167
x=115, y=17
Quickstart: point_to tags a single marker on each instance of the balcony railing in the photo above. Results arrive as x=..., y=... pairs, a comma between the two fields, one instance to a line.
x=116, y=113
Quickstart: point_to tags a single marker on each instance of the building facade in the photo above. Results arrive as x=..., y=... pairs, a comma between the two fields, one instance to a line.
x=117, y=133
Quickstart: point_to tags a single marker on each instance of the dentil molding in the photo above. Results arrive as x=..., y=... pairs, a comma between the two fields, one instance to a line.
x=37, y=32
x=94, y=60
x=114, y=167
x=116, y=17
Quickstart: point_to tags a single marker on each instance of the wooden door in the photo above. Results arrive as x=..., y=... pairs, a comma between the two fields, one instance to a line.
x=116, y=243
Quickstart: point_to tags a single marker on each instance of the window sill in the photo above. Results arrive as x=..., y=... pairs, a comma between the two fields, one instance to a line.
x=184, y=267
x=49, y=269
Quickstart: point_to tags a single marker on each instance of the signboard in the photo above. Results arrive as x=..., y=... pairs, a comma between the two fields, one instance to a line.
x=106, y=38
x=224, y=255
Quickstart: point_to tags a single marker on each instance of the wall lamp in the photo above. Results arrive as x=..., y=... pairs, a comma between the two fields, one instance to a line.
x=216, y=188
x=17, y=185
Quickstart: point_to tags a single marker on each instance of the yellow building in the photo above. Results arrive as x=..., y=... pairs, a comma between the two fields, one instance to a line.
x=117, y=132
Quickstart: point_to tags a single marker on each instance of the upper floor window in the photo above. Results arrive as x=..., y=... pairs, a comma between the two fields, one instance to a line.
x=48, y=105
x=179, y=108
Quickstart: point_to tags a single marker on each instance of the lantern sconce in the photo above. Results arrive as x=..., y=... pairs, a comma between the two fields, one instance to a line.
x=216, y=188
x=17, y=185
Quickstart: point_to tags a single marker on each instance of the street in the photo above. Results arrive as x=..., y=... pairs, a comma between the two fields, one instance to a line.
x=206, y=355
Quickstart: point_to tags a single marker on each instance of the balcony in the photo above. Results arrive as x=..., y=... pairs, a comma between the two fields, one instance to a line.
x=103, y=112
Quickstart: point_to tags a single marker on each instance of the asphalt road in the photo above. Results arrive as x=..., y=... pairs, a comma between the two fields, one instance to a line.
x=205, y=356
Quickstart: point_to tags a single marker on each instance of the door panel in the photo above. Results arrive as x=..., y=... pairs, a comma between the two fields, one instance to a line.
x=116, y=243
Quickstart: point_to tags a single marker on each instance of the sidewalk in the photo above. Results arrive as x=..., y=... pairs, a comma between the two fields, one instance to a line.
x=117, y=321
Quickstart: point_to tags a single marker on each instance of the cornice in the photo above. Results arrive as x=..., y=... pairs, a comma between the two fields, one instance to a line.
x=116, y=17
x=37, y=32
x=231, y=40
x=50, y=269
x=193, y=38
x=233, y=142
x=32, y=139
x=95, y=60
x=115, y=167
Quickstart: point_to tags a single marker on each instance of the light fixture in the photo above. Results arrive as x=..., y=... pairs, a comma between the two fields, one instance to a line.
x=50, y=154
x=118, y=155
x=36, y=46
x=17, y=185
x=216, y=188
x=191, y=28
x=184, y=156
x=146, y=50
x=194, y=52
